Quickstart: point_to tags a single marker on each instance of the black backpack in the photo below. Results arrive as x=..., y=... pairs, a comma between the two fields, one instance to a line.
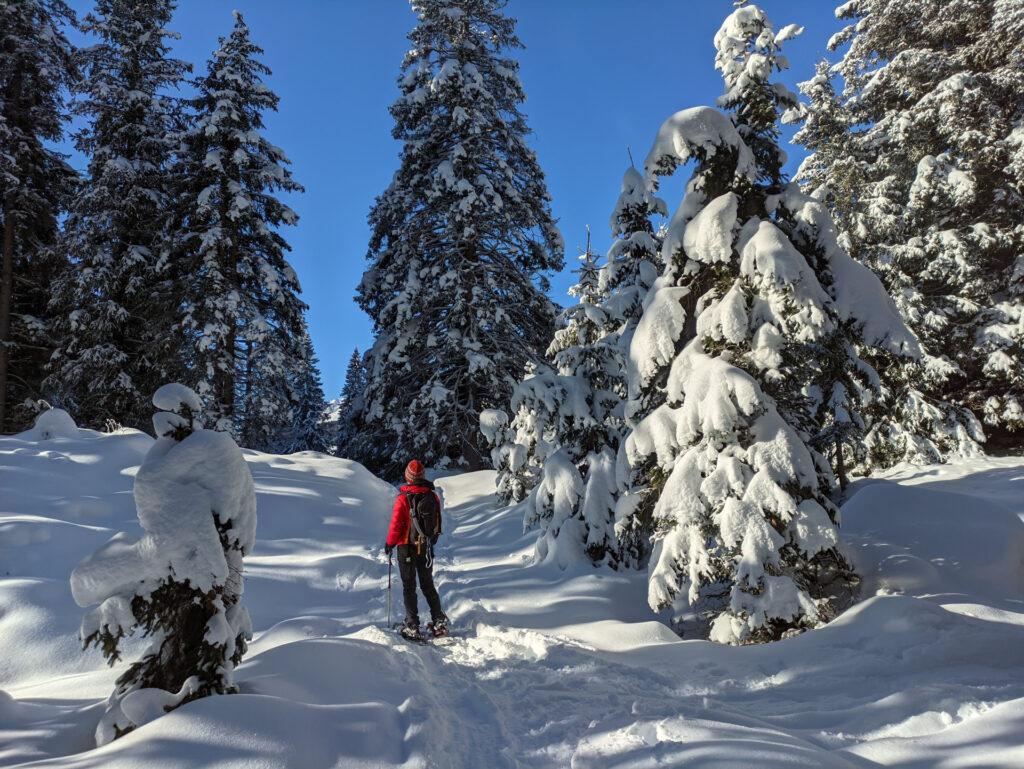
x=425, y=517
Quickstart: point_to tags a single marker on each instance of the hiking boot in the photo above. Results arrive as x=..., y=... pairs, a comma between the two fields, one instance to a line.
x=438, y=628
x=412, y=632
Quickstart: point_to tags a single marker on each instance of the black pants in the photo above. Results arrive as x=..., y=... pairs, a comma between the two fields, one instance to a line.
x=411, y=566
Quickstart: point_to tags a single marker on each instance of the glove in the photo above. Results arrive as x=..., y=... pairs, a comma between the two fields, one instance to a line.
x=388, y=549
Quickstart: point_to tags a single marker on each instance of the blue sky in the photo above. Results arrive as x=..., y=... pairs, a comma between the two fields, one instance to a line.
x=600, y=76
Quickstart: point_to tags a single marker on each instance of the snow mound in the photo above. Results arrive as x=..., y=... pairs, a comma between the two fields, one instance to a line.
x=916, y=541
x=51, y=424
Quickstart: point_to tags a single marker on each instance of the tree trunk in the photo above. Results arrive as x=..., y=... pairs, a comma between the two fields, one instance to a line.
x=6, y=293
x=840, y=466
x=7, y=270
x=224, y=383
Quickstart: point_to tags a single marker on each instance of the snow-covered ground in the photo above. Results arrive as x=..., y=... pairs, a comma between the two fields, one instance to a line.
x=549, y=669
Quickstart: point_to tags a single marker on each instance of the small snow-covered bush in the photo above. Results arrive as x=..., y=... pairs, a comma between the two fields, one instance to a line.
x=181, y=583
x=54, y=423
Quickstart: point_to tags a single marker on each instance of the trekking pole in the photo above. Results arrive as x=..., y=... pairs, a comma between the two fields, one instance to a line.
x=389, y=590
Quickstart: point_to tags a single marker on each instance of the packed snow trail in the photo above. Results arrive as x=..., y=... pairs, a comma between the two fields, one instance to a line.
x=549, y=668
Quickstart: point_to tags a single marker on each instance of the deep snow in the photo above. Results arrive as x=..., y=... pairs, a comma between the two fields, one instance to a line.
x=550, y=669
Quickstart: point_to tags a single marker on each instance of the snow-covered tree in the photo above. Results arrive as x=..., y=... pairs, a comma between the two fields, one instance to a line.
x=267, y=395
x=755, y=286
x=352, y=394
x=830, y=171
x=117, y=315
x=180, y=585
x=462, y=240
x=932, y=91
x=565, y=432
x=238, y=289
x=37, y=73
x=306, y=429
x=634, y=260
x=576, y=406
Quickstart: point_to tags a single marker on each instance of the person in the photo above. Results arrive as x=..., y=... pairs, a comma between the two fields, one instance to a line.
x=415, y=527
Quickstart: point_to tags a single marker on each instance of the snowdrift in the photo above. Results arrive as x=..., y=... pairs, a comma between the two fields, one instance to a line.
x=552, y=668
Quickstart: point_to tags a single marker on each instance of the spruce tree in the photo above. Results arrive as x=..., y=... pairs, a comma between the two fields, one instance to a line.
x=306, y=429
x=933, y=93
x=37, y=74
x=755, y=287
x=180, y=584
x=238, y=289
x=576, y=407
x=634, y=263
x=116, y=311
x=830, y=172
x=352, y=396
x=565, y=433
x=268, y=395
x=461, y=241
x=634, y=260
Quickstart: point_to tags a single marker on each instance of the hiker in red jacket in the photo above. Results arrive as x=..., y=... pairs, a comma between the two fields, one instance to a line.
x=415, y=527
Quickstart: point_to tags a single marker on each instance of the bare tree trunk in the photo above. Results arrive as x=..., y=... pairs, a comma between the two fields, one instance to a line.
x=224, y=378
x=840, y=466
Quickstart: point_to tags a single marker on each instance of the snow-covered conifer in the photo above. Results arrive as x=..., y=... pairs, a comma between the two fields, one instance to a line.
x=306, y=429
x=239, y=290
x=268, y=396
x=634, y=260
x=352, y=398
x=725, y=470
x=462, y=240
x=933, y=90
x=37, y=73
x=180, y=585
x=573, y=502
x=116, y=313
x=542, y=404
x=577, y=407
x=830, y=170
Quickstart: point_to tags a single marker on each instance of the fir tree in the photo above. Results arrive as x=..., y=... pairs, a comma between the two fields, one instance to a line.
x=755, y=286
x=830, y=172
x=37, y=73
x=268, y=396
x=578, y=405
x=634, y=263
x=306, y=429
x=240, y=292
x=563, y=440
x=933, y=94
x=116, y=312
x=352, y=398
x=180, y=585
x=462, y=239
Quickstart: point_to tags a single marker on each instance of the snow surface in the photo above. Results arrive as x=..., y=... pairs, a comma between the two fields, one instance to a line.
x=549, y=668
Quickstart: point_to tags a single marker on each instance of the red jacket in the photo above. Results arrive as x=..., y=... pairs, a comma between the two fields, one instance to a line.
x=399, y=531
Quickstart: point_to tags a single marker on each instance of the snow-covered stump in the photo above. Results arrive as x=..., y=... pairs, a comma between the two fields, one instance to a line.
x=181, y=583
